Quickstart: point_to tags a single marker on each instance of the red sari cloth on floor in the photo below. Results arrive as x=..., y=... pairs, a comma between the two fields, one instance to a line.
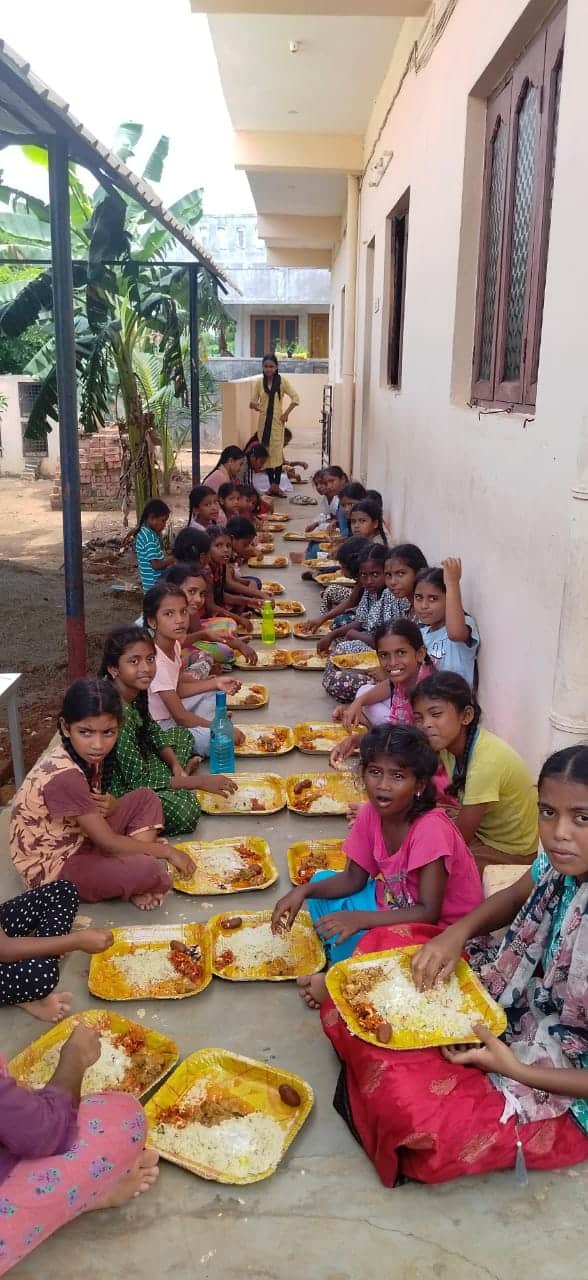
x=421, y=1117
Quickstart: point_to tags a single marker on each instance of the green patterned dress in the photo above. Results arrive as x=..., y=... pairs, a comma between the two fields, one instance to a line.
x=133, y=769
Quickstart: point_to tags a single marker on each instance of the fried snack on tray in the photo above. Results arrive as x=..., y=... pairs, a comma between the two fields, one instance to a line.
x=266, y=740
x=249, y=695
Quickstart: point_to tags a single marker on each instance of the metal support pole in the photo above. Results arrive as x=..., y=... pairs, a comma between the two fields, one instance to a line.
x=63, y=316
x=194, y=326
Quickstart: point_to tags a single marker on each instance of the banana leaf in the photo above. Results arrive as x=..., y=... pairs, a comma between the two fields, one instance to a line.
x=35, y=297
x=44, y=407
x=24, y=228
x=127, y=136
x=94, y=352
x=153, y=170
x=16, y=199
x=188, y=208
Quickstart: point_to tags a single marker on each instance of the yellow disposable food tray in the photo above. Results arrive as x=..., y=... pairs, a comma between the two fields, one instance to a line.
x=275, y=517
x=268, y=562
x=267, y=660
x=274, y=526
x=273, y=588
x=301, y=631
x=265, y=546
x=356, y=661
x=25, y=1062
x=322, y=564
x=293, y=536
x=255, y=1083
x=487, y=1011
x=289, y=609
x=197, y=849
x=306, y=660
x=325, y=579
x=105, y=981
x=308, y=950
x=283, y=629
x=331, y=850
x=258, y=692
x=254, y=733
x=316, y=729
x=269, y=788
x=341, y=787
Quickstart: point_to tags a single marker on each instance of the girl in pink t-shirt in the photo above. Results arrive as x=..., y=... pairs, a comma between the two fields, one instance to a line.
x=406, y=861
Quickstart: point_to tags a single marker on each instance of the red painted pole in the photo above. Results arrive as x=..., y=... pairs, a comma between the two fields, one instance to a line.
x=63, y=316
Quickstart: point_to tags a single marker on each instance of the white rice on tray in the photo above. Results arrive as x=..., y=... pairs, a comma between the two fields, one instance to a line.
x=446, y=1007
x=241, y=800
x=106, y=1073
x=239, y=1146
x=256, y=945
x=323, y=744
x=146, y=967
x=216, y=866
x=325, y=804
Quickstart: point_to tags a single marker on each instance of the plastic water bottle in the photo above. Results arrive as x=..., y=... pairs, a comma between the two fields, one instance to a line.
x=268, y=625
x=222, y=739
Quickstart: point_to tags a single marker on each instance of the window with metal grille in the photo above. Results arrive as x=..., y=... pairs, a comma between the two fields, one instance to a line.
x=398, y=243
x=521, y=141
x=27, y=394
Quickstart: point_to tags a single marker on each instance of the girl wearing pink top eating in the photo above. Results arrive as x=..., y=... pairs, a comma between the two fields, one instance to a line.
x=406, y=861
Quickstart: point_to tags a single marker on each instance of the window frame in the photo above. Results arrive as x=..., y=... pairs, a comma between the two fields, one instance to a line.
x=538, y=66
x=268, y=319
x=397, y=290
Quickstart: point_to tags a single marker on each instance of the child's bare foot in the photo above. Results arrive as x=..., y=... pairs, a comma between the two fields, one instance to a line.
x=193, y=764
x=138, y=1180
x=52, y=1008
x=147, y=901
x=313, y=989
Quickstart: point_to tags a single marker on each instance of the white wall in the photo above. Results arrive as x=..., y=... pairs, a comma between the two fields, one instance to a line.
x=12, y=459
x=494, y=489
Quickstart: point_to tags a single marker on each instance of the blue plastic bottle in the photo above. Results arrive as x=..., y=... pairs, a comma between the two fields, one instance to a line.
x=222, y=739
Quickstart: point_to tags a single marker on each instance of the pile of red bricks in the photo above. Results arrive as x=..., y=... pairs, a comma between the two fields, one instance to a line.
x=100, y=468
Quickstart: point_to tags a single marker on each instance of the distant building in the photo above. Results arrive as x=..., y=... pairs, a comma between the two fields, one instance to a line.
x=280, y=308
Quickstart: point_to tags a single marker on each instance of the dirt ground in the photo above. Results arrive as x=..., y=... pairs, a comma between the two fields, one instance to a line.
x=32, y=616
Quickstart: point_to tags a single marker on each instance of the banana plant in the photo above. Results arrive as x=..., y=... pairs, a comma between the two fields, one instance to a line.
x=120, y=311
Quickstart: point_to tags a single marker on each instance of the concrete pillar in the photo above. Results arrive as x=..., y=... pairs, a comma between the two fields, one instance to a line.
x=343, y=438
x=569, y=713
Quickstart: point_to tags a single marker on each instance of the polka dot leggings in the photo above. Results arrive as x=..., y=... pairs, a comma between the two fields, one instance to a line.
x=46, y=912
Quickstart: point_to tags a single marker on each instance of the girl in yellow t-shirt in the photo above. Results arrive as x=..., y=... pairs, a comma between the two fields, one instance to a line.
x=498, y=797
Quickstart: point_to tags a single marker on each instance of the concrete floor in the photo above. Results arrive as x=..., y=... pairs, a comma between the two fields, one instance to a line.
x=476, y=1229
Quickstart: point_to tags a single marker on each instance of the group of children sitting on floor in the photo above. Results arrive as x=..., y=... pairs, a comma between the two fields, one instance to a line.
x=445, y=799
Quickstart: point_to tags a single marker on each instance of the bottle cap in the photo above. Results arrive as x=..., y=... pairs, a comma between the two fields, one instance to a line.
x=221, y=700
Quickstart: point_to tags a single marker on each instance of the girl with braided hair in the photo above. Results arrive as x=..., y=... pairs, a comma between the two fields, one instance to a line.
x=65, y=825
x=498, y=798
x=145, y=754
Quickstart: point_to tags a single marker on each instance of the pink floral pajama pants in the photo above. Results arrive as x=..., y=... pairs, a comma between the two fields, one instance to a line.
x=41, y=1195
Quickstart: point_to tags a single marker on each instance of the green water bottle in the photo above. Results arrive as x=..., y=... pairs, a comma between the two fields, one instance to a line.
x=268, y=626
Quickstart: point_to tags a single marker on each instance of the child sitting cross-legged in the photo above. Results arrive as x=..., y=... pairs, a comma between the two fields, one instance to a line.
x=65, y=824
x=211, y=637
x=501, y=1103
x=405, y=662
x=150, y=551
x=495, y=791
x=246, y=588
x=175, y=696
x=406, y=860
x=35, y=932
x=146, y=755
